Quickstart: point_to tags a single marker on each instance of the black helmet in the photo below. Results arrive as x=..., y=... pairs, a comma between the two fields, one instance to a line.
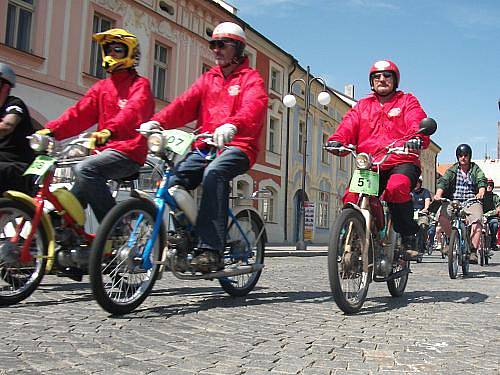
x=464, y=149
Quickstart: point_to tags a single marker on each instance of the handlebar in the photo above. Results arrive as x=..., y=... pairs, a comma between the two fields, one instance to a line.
x=399, y=150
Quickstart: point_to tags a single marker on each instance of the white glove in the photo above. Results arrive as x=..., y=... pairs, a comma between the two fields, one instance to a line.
x=150, y=125
x=224, y=134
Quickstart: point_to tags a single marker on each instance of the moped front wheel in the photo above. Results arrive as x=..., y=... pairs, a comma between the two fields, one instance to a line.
x=397, y=286
x=454, y=252
x=246, y=246
x=348, y=282
x=19, y=279
x=118, y=279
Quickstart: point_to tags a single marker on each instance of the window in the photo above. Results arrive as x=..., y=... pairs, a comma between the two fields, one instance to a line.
x=19, y=18
x=302, y=130
x=325, y=155
x=273, y=135
x=323, y=208
x=100, y=23
x=275, y=80
x=160, y=71
x=268, y=211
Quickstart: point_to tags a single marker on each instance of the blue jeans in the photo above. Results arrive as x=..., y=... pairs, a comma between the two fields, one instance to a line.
x=493, y=224
x=214, y=176
x=91, y=175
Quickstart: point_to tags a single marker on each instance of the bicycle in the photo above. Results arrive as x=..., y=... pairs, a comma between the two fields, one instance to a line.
x=422, y=218
x=148, y=236
x=459, y=249
x=484, y=244
x=362, y=248
x=46, y=233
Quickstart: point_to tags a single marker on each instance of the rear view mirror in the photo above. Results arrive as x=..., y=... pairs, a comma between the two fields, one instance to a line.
x=428, y=126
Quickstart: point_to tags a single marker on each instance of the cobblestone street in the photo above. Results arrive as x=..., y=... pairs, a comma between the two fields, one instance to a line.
x=288, y=325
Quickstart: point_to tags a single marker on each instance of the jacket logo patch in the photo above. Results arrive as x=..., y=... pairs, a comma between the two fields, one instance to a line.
x=394, y=112
x=122, y=103
x=233, y=90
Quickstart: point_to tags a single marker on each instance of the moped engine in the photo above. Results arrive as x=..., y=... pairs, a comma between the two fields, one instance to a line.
x=383, y=266
x=179, y=253
x=70, y=250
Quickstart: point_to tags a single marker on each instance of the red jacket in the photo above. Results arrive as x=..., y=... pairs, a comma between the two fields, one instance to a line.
x=119, y=103
x=371, y=127
x=239, y=99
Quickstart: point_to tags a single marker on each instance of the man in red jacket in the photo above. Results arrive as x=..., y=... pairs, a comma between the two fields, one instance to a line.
x=377, y=120
x=229, y=101
x=118, y=104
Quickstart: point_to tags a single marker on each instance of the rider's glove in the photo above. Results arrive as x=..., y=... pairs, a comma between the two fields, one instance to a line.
x=150, y=125
x=414, y=144
x=101, y=137
x=45, y=131
x=333, y=144
x=224, y=134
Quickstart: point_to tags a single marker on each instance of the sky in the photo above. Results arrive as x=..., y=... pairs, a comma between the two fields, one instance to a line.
x=447, y=51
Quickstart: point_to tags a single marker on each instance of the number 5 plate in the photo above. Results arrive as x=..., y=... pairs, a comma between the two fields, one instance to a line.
x=40, y=165
x=178, y=141
x=364, y=182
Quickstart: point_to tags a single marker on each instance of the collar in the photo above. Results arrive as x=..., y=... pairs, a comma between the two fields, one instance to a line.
x=217, y=70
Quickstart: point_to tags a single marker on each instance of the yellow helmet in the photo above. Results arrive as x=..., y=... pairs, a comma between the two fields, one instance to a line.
x=122, y=36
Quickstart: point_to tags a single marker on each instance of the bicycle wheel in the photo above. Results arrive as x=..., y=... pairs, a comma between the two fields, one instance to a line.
x=239, y=252
x=19, y=280
x=420, y=244
x=118, y=280
x=481, y=250
x=454, y=251
x=397, y=286
x=348, y=282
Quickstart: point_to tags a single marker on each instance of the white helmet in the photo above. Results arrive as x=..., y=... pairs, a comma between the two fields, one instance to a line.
x=229, y=30
x=7, y=74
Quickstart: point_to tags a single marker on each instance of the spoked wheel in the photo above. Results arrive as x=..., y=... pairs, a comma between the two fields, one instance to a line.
x=19, y=279
x=454, y=252
x=348, y=282
x=442, y=239
x=397, y=286
x=481, y=251
x=246, y=246
x=420, y=244
x=118, y=280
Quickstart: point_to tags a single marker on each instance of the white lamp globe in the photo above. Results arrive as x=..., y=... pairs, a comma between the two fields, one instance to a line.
x=323, y=98
x=289, y=101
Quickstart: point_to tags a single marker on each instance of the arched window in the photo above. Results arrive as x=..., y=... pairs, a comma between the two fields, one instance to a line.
x=269, y=206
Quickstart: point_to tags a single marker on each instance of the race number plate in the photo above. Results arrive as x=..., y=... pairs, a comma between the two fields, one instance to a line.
x=364, y=182
x=178, y=141
x=40, y=165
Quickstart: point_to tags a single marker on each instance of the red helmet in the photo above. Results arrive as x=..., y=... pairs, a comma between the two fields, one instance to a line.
x=490, y=181
x=385, y=66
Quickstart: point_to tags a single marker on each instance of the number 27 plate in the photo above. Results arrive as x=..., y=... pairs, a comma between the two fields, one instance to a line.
x=364, y=182
x=40, y=165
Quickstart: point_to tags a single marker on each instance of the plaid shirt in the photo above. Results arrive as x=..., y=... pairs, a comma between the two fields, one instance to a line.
x=464, y=188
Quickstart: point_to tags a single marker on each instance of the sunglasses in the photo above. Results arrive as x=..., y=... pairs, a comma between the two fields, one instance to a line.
x=220, y=44
x=116, y=49
x=379, y=75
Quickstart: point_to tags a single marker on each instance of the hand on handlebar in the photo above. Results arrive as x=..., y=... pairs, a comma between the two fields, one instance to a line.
x=331, y=145
x=45, y=131
x=414, y=143
x=150, y=125
x=101, y=137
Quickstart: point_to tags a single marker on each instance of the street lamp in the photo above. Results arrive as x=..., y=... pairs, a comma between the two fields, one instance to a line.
x=289, y=101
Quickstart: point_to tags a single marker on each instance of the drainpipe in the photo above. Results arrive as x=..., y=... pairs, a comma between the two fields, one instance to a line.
x=285, y=217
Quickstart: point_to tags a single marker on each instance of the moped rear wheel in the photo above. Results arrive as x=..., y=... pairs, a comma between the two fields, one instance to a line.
x=348, y=282
x=481, y=251
x=454, y=252
x=19, y=280
x=243, y=253
x=118, y=280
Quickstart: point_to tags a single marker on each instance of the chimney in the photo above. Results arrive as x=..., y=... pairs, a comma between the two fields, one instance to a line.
x=349, y=90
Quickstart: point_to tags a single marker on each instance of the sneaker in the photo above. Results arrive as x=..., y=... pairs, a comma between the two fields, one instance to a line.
x=473, y=258
x=208, y=261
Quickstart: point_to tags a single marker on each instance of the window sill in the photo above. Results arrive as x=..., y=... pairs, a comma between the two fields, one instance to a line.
x=89, y=79
x=21, y=56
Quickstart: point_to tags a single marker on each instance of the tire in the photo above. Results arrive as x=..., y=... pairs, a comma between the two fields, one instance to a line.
x=118, y=281
x=397, y=286
x=420, y=244
x=18, y=282
x=481, y=250
x=346, y=268
x=453, y=254
x=238, y=252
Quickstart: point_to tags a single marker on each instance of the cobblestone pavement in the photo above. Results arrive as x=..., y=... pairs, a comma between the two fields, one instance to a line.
x=288, y=325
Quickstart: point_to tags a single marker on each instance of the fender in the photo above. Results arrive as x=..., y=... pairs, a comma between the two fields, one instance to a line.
x=136, y=193
x=256, y=216
x=46, y=223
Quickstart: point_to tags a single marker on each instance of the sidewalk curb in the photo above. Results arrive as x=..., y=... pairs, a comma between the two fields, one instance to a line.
x=289, y=251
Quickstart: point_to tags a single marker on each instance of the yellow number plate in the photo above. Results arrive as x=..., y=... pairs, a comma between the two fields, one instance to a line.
x=40, y=165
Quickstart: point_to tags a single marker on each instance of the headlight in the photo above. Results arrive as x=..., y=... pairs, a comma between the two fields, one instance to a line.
x=41, y=143
x=455, y=205
x=156, y=143
x=363, y=161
